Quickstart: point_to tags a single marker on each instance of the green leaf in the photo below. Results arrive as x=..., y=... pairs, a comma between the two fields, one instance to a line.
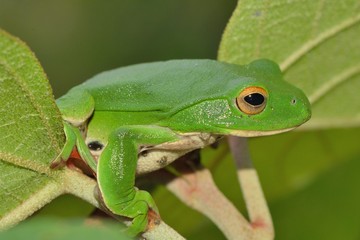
x=19, y=186
x=26, y=103
x=56, y=229
x=31, y=132
x=330, y=202
x=315, y=43
x=291, y=162
x=31, y=136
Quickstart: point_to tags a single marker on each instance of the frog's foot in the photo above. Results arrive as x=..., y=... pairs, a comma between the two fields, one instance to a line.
x=138, y=209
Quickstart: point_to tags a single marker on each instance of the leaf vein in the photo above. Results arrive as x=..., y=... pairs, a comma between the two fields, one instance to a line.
x=27, y=92
x=334, y=82
x=314, y=42
x=25, y=163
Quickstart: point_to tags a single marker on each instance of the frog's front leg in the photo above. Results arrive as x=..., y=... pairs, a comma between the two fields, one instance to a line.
x=116, y=173
x=74, y=138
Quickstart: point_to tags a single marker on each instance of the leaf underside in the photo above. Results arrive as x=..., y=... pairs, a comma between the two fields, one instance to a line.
x=31, y=133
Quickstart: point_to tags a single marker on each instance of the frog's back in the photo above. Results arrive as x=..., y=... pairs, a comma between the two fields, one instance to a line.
x=161, y=86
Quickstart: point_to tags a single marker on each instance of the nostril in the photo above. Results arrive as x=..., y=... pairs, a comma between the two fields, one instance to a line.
x=293, y=101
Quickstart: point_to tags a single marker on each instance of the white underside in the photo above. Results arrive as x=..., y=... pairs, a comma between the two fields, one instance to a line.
x=161, y=155
x=247, y=133
x=164, y=154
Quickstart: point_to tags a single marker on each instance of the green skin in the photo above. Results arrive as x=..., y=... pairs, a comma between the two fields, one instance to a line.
x=155, y=103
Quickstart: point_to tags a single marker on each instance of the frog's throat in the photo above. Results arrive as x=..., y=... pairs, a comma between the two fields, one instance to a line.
x=253, y=133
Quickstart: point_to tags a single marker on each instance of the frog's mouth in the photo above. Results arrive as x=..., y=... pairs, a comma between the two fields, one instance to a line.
x=254, y=133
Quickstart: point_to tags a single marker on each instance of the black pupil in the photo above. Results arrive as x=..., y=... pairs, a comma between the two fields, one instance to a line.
x=95, y=146
x=254, y=99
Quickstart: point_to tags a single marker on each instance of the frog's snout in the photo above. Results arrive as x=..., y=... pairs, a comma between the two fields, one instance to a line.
x=303, y=107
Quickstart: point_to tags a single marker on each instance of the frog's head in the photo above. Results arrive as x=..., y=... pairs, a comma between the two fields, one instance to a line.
x=255, y=101
x=267, y=104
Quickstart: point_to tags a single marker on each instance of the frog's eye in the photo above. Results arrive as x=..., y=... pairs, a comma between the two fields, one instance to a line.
x=95, y=146
x=252, y=100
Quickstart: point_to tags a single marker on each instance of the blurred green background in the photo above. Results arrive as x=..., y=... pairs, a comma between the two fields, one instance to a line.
x=76, y=39
x=313, y=193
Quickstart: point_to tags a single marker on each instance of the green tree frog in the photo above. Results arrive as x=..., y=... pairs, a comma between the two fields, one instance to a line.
x=157, y=112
